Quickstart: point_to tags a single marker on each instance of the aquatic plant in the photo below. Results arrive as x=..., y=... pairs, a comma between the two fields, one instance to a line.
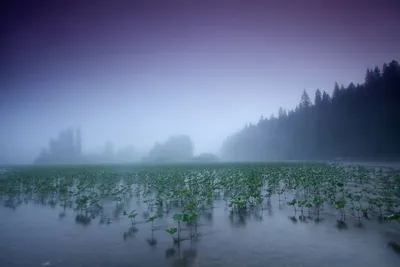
x=171, y=232
x=300, y=205
x=150, y=203
x=151, y=219
x=317, y=202
x=340, y=205
x=357, y=191
x=293, y=203
x=393, y=217
x=132, y=215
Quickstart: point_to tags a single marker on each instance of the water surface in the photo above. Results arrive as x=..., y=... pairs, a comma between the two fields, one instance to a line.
x=39, y=235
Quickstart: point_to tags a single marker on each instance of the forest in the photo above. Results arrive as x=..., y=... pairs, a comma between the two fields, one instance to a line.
x=360, y=121
x=67, y=149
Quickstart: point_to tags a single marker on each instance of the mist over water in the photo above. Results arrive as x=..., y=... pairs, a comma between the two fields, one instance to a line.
x=139, y=73
x=199, y=133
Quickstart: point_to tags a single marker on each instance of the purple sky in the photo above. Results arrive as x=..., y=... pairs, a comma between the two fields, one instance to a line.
x=137, y=73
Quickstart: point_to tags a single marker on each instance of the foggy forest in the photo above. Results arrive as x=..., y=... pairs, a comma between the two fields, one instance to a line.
x=358, y=122
x=190, y=133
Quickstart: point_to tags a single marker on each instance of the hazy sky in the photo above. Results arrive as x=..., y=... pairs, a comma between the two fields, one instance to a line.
x=136, y=73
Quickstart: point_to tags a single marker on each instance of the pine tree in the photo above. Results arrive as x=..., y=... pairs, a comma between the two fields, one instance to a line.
x=318, y=98
x=305, y=101
x=336, y=91
x=361, y=120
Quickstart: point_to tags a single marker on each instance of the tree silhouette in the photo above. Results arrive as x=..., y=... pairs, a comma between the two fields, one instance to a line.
x=64, y=149
x=358, y=121
x=305, y=101
x=176, y=148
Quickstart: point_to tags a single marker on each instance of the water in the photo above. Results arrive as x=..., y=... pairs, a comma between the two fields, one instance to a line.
x=38, y=235
x=394, y=165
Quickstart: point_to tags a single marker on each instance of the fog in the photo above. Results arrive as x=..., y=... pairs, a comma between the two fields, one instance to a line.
x=138, y=74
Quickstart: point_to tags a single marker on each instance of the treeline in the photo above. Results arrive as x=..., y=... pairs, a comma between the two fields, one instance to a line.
x=176, y=148
x=67, y=148
x=358, y=122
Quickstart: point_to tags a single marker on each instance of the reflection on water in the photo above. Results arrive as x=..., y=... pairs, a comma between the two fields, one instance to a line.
x=394, y=246
x=152, y=241
x=117, y=212
x=130, y=233
x=342, y=225
x=258, y=237
x=181, y=257
x=293, y=219
x=303, y=219
x=62, y=214
x=239, y=219
x=170, y=252
x=146, y=215
x=83, y=219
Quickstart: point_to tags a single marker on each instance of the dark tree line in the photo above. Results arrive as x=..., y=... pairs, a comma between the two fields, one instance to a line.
x=67, y=148
x=361, y=121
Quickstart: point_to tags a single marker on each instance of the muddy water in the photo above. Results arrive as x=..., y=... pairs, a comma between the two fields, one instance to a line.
x=37, y=235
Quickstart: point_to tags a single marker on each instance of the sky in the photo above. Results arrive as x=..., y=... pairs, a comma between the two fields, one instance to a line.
x=136, y=72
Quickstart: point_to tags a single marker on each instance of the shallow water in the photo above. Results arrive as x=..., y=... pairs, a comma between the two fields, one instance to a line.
x=38, y=235
x=395, y=165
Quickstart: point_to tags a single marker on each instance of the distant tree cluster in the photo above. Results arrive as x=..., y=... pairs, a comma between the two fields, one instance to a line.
x=176, y=148
x=67, y=148
x=360, y=121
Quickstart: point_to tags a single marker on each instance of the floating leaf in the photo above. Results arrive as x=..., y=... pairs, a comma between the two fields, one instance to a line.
x=133, y=215
x=151, y=219
x=392, y=217
x=292, y=203
x=178, y=217
x=171, y=231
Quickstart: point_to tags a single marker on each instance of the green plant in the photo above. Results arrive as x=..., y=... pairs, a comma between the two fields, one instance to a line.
x=393, y=217
x=300, y=205
x=131, y=216
x=178, y=218
x=171, y=232
x=151, y=219
x=293, y=203
x=340, y=205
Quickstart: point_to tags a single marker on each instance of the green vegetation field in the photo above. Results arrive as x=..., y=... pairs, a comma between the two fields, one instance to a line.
x=179, y=206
